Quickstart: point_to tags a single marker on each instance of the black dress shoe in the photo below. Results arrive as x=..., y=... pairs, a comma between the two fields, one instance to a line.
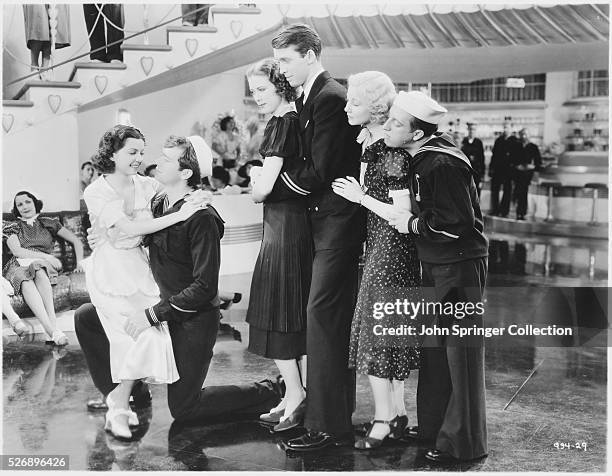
x=227, y=304
x=279, y=386
x=317, y=440
x=141, y=395
x=97, y=404
x=412, y=432
x=441, y=457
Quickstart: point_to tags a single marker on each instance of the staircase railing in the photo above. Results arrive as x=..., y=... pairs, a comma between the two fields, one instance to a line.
x=70, y=60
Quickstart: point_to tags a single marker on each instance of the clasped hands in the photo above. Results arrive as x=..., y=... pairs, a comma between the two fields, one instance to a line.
x=350, y=189
x=135, y=324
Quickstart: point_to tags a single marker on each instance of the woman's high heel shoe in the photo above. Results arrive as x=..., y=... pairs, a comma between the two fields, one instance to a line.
x=116, y=426
x=19, y=327
x=363, y=429
x=132, y=417
x=272, y=417
x=59, y=338
x=369, y=442
x=295, y=419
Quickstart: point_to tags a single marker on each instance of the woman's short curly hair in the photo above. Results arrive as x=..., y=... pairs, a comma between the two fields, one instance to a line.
x=377, y=89
x=38, y=204
x=270, y=68
x=112, y=141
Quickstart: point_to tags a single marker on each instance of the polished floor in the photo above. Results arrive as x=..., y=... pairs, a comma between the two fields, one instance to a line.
x=541, y=394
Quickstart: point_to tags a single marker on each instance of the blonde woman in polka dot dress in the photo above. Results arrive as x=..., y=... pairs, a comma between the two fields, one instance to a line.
x=391, y=268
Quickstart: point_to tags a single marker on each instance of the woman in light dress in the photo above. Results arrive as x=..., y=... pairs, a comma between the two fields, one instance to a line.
x=119, y=280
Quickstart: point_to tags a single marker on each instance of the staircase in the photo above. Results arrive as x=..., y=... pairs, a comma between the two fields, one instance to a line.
x=39, y=101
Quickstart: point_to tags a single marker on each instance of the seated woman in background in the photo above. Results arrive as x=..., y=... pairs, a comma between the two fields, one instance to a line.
x=33, y=269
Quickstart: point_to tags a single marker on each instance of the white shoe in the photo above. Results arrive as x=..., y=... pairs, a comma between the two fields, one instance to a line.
x=115, y=425
x=59, y=338
x=132, y=417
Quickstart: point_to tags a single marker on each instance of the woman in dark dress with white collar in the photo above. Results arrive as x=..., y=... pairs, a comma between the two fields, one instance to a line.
x=281, y=279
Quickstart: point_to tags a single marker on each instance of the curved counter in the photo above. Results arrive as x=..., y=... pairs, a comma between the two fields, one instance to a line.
x=243, y=232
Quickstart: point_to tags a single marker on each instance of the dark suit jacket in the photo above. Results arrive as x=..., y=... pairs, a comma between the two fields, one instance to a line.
x=503, y=156
x=330, y=151
x=475, y=152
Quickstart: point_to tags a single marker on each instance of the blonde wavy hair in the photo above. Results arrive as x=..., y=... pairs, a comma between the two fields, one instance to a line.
x=377, y=89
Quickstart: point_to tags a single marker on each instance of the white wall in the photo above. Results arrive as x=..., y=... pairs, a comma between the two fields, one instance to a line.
x=559, y=88
x=44, y=160
x=47, y=156
x=171, y=111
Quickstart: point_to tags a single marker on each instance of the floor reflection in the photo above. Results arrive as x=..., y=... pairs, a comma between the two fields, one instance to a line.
x=45, y=389
x=583, y=260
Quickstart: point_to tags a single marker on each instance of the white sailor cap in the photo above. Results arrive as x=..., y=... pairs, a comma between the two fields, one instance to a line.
x=420, y=105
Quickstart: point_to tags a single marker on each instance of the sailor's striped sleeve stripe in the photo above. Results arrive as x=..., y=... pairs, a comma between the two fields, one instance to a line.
x=442, y=232
x=182, y=310
x=151, y=316
x=413, y=225
x=292, y=185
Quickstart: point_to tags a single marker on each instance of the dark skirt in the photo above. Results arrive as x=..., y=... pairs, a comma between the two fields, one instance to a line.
x=277, y=345
x=281, y=278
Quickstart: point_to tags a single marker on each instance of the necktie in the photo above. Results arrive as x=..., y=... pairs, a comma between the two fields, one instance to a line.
x=299, y=103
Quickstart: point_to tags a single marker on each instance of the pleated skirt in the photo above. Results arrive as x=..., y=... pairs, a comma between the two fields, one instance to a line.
x=281, y=282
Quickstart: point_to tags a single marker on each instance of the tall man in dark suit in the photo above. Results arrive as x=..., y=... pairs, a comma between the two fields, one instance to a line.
x=330, y=151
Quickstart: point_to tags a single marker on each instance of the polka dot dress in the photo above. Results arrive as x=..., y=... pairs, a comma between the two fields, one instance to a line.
x=39, y=236
x=391, y=272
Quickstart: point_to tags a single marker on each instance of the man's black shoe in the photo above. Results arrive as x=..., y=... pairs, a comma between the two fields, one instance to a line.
x=317, y=440
x=279, y=386
x=97, y=404
x=141, y=395
x=441, y=457
x=411, y=434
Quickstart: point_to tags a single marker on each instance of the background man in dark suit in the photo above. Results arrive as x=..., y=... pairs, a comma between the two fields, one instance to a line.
x=500, y=171
x=526, y=162
x=472, y=147
x=330, y=151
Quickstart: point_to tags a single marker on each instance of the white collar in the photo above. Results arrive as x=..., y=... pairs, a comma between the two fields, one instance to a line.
x=29, y=221
x=308, y=84
x=366, y=137
x=284, y=110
